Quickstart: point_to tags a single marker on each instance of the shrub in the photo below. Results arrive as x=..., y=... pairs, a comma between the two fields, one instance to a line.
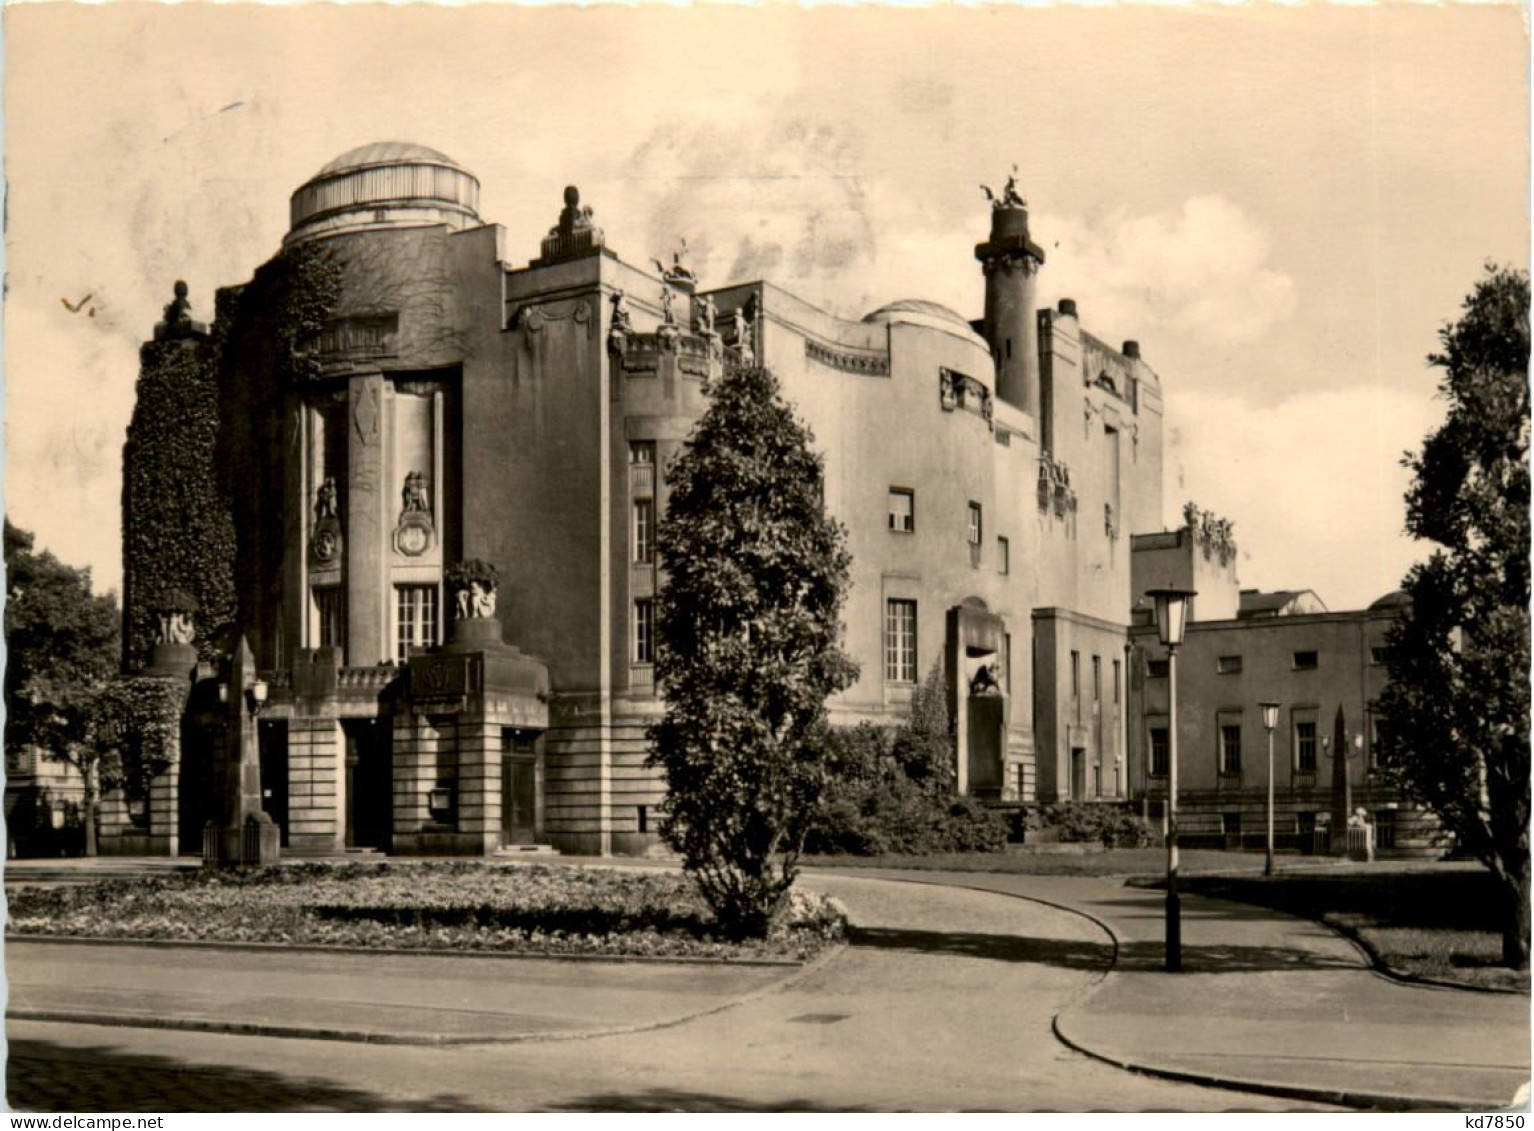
x=893, y=792
x=1106, y=824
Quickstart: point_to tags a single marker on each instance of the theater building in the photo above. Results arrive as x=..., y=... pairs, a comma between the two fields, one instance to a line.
x=476, y=395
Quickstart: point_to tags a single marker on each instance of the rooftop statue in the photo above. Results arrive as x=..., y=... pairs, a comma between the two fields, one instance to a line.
x=679, y=271
x=179, y=311
x=1009, y=198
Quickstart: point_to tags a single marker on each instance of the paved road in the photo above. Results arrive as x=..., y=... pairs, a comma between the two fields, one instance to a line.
x=944, y=1000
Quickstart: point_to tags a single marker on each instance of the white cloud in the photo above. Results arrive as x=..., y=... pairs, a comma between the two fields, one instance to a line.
x=1313, y=484
x=1200, y=272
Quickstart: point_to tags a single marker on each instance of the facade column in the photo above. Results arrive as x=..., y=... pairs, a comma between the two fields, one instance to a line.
x=367, y=592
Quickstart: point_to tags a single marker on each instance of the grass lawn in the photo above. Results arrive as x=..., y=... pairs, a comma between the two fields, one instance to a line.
x=538, y=909
x=1435, y=921
x=1113, y=862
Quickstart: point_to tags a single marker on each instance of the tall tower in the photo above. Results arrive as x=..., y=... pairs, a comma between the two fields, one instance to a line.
x=1010, y=261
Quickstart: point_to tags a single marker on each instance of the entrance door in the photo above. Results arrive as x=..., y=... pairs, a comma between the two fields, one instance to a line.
x=369, y=783
x=272, y=739
x=519, y=789
x=1078, y=773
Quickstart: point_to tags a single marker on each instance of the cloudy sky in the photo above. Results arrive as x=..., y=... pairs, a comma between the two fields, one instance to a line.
x=1282, y=204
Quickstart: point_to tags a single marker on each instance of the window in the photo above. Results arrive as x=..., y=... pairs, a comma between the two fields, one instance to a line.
x=330, y=605
x=1384, y=828
x=1075, y=675
x=1230, y=748
x=642, y=452
x=1379, y=654
x=1006, y=639
x=1156, y=669
x=1003, y=555
x=415, y=619
x=644, y=631
x=1160, y=752
x=1228, y=665
x=1304, y=660
x=1117, y=672
x=974, y=524
x=1376, y=742
x=902, y=510
x=644, y=531
x=1097, y=678
x=900, y=641
x=1305, y=747
x=1097, y=781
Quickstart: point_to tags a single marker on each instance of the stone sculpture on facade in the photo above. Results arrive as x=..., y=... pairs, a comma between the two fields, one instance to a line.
x=1214, y=535
x=414, y=493
x=474, y=583
x=325, y=499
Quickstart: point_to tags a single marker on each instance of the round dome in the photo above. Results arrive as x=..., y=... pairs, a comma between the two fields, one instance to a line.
x=385, y=153
x=1395, y=599
x=388, y=184
x=918, y=306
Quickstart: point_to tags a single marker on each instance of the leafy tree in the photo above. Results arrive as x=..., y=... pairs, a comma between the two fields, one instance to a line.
x=62, y=648
x=1456, y=710
x=747, y=648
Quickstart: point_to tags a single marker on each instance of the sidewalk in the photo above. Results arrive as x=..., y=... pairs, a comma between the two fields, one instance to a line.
x=373, y=998
x=1274, y=1004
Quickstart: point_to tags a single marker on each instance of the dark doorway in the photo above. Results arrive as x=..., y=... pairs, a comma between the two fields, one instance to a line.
x=273, y=739
x=200, y=784
x=519, y=787
x=1078, y=773
x=985, y=733
x=369, y=783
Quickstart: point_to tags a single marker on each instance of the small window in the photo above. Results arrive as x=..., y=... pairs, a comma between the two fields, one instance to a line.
x=902, y=510
x=642, y=451
x=1228, y=665
x=1003, y=555
x=1376, y=742
x=1384, y=828
x=1097, y=678
x=1305, y=747
x=1075, y=675
x=1156, y=669
x=1379, y=654
x=415, y=619
x=330, y=606
x=1230, y=748
x=644, y=631
x=1304, y=661
x=1117, y=676
x=1160, y=752
x=644, y=531
x=900, y=641
x=974, y=524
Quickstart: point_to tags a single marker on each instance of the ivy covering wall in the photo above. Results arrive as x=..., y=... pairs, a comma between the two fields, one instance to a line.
x=177, y=530
x=202, y=465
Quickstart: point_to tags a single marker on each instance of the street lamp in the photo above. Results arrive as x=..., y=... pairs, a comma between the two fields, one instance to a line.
x=1269, y=721
x=1171, y=622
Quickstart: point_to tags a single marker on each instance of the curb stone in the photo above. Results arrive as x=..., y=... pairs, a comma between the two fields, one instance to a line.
x=366, y=1036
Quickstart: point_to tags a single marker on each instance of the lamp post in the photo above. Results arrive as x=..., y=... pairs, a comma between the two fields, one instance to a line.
x=1269, y=721
x=1171, y=622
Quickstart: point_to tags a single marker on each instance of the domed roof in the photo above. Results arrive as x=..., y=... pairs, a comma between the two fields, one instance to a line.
x=917, y=306
x=1395, y=599
x=388, y=184
x=385, y=153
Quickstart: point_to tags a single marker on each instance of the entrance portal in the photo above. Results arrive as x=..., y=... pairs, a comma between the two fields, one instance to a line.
x=519, y=788
x=369, y=784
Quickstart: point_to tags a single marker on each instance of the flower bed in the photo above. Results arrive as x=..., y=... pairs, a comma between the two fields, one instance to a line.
x=539, y=908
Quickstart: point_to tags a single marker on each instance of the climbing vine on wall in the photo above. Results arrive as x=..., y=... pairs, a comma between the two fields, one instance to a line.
x=178, y=537
x=135, y=722
x=189, y=484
